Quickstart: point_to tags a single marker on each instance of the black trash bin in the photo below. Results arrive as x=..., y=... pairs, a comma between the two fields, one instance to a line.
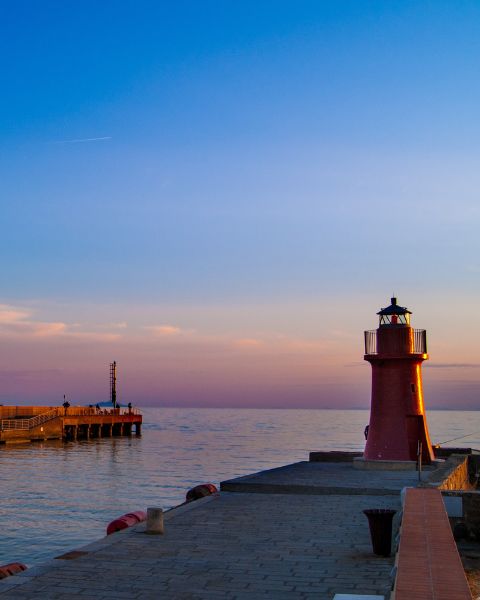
x=380, y=523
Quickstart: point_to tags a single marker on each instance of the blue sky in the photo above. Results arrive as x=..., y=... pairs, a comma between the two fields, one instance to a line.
x=236, y=172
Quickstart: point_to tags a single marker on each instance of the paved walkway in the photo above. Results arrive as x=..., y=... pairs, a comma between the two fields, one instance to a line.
x=305, y=536
x=232, y=545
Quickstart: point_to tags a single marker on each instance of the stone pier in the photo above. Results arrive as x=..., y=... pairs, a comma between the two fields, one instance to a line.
x=297, y=532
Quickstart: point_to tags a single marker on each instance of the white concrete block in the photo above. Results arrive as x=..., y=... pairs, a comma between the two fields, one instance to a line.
x=154, y=521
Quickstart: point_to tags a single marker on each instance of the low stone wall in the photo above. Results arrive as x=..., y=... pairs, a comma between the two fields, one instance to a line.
x=453, y=474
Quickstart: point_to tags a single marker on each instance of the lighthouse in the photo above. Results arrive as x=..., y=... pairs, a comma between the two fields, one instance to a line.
x=398, y=427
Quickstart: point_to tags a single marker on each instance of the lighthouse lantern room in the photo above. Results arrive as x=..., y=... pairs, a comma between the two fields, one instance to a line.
x=398, y=429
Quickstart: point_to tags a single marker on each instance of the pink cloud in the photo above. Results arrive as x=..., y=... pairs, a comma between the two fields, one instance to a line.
x=18, y=322
x=164, y=329
x=10, y=314
x=93, y=336
x=248, y=343
x=44, y=329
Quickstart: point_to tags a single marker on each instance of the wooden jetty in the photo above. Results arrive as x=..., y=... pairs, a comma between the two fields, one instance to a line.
x=19, y=424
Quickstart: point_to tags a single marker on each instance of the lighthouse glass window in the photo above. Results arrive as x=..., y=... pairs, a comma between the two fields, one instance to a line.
x=395, y=319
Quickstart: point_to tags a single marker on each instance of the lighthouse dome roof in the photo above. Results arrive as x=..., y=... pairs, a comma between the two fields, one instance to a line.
x=394, y=309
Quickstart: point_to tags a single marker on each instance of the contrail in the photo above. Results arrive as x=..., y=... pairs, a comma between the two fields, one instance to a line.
x=80, y=140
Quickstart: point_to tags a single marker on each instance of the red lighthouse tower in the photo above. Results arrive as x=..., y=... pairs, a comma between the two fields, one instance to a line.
x=396, y=352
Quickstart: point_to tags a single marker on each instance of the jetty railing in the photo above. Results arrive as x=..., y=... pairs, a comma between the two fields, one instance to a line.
x=89, y=411
x=43, y=418
x=418, y=341
x=31, y=422
x=14, y=424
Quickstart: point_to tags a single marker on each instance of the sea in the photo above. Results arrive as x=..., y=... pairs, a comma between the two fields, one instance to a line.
x=59, y=496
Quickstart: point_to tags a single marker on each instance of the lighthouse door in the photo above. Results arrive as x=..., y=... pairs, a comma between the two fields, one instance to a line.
x=415, y=434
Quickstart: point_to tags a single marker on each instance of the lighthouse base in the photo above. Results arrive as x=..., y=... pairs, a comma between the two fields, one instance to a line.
x=389, y=465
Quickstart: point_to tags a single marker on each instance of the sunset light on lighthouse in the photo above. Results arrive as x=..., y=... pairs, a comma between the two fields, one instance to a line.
x=398, y=427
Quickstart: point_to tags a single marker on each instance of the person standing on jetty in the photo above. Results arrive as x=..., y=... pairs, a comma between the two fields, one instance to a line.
x=66, y=404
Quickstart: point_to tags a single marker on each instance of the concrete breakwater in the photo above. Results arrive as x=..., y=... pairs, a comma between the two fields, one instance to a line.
x=19, y=424
x=293, y=532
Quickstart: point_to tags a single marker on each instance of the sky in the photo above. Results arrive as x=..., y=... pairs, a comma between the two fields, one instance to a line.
x=220, y=196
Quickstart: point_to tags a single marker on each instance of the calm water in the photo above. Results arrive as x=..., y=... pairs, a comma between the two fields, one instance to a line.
x=56, y=497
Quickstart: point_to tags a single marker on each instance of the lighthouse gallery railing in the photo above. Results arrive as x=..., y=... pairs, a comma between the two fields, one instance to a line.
x=419, y=342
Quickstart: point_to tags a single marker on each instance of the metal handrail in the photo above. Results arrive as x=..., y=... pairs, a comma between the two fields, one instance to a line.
x=80, y=411
x=43, y=418
x=371, y=342
x=14, y=424
x=419, y=342
x=29, y=423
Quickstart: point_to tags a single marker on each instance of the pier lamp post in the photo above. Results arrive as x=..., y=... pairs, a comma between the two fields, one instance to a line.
x=397, y=427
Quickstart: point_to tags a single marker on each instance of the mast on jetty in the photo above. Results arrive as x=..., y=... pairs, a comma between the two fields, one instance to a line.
x=113, y=383
x=398, y=428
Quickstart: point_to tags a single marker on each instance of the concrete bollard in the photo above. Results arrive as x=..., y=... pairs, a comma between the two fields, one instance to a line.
x=154, y=521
